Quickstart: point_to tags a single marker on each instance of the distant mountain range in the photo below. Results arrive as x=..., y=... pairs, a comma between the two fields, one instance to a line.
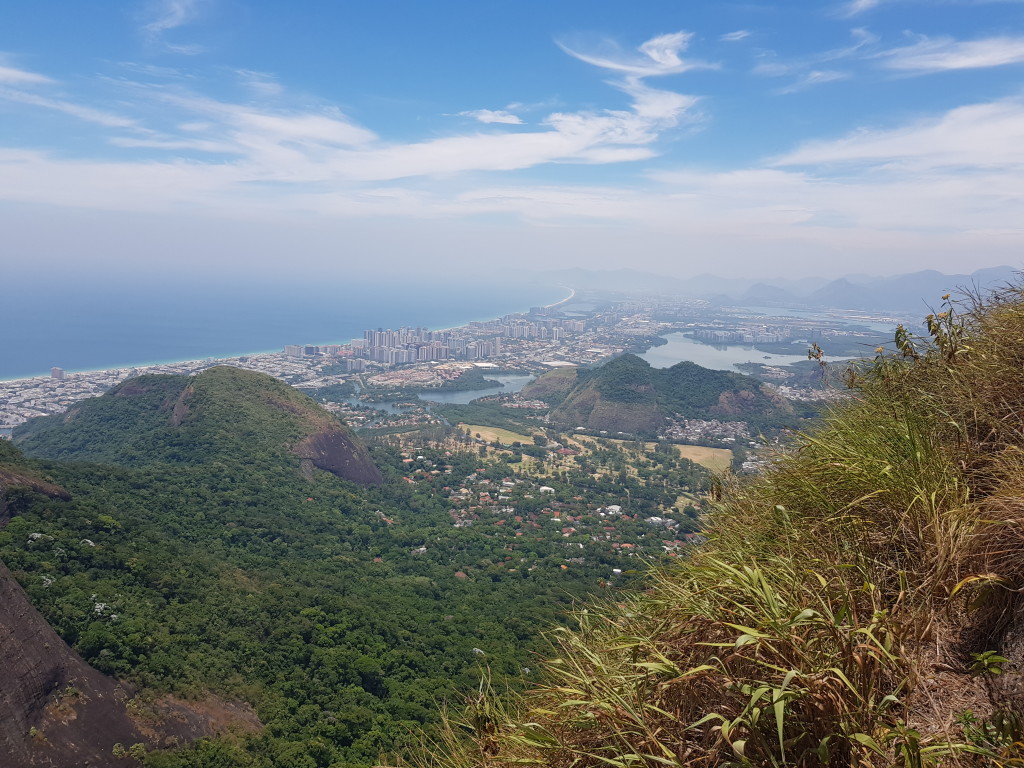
x=912, y=292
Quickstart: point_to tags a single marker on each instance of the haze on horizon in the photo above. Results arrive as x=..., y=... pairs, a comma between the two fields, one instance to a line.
x=143, y=138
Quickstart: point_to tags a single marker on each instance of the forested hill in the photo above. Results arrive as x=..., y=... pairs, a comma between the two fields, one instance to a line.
x=223, y=413
x=628, y=395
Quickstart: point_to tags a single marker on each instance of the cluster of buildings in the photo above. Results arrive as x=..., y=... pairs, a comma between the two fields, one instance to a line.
x=710, y=430
x=476, y=341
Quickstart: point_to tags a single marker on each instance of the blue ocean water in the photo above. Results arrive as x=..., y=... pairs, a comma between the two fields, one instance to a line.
x=90, y=327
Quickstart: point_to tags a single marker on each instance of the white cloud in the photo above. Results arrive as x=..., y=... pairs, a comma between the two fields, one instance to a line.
x=660, y=57
x=810, y=70
x=331, y=129
x=301, y=146
x=260, y=83
x=931, y=191
x=12, y=76
x=946, y=184
x=492, y=116
x=944, y=54
x=170, y=15
x=88, y=114
x=814, y=77
x=856, y=7
x=174, y=144
x=732, y=37
x=989, y=135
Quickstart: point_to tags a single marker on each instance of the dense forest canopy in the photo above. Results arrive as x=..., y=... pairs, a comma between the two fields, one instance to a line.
x=193, y=556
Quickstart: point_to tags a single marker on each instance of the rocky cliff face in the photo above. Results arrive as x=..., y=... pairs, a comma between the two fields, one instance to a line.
x=55, y=710
x=338, y=451
x=58, y=712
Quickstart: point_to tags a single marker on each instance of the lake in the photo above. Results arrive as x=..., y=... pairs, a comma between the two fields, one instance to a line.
x=511, y=384
x=681, y=347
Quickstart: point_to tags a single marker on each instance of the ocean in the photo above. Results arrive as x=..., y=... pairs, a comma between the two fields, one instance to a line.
x=116, y=326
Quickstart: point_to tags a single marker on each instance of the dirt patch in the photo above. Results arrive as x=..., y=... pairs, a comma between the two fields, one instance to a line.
x=169, y=722
x=287, y=407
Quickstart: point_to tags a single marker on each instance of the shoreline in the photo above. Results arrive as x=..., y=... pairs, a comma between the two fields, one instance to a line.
x=198, y=360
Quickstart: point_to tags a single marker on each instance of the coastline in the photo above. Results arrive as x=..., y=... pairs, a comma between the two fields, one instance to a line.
x=197, y=361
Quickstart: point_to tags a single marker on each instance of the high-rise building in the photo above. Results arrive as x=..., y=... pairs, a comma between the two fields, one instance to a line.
x=57, y=373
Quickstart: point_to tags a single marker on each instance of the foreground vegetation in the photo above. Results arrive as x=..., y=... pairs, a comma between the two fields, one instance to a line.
x=860, y=603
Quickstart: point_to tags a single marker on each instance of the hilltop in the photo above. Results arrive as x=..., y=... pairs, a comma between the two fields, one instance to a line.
x=224, y=413
x=628, y=395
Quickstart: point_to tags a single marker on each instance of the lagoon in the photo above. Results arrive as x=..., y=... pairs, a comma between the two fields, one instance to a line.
x=681, y=347
x=511, y=384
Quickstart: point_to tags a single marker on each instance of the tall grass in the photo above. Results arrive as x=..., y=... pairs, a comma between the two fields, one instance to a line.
x=847, y=608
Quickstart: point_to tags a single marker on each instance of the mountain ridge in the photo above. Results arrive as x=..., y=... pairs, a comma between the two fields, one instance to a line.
x=903, y=292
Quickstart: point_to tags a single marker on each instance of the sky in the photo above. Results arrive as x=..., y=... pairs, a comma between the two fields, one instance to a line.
x=259, y=140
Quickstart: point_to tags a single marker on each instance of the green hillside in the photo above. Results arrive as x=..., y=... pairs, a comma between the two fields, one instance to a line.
x=627, y=395
x=858, y=604
x=223, y=412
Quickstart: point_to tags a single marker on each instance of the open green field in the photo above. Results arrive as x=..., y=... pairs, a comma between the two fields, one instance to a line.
x=715, y=459
x=494, y=434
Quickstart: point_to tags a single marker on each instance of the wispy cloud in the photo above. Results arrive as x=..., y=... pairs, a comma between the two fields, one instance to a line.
x=973, y=136
x=266, y=140
x=260, y=83
x=814, y=77
x=88, y=114
x=857, y=7
x=660, y=56
x=12, y=76
x=809, y=70
x=732, y=37
x=169, y=15
x=493, y=116
x=945, y=54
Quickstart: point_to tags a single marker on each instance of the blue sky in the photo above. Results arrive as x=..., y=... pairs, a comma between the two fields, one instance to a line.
x=271, y=139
